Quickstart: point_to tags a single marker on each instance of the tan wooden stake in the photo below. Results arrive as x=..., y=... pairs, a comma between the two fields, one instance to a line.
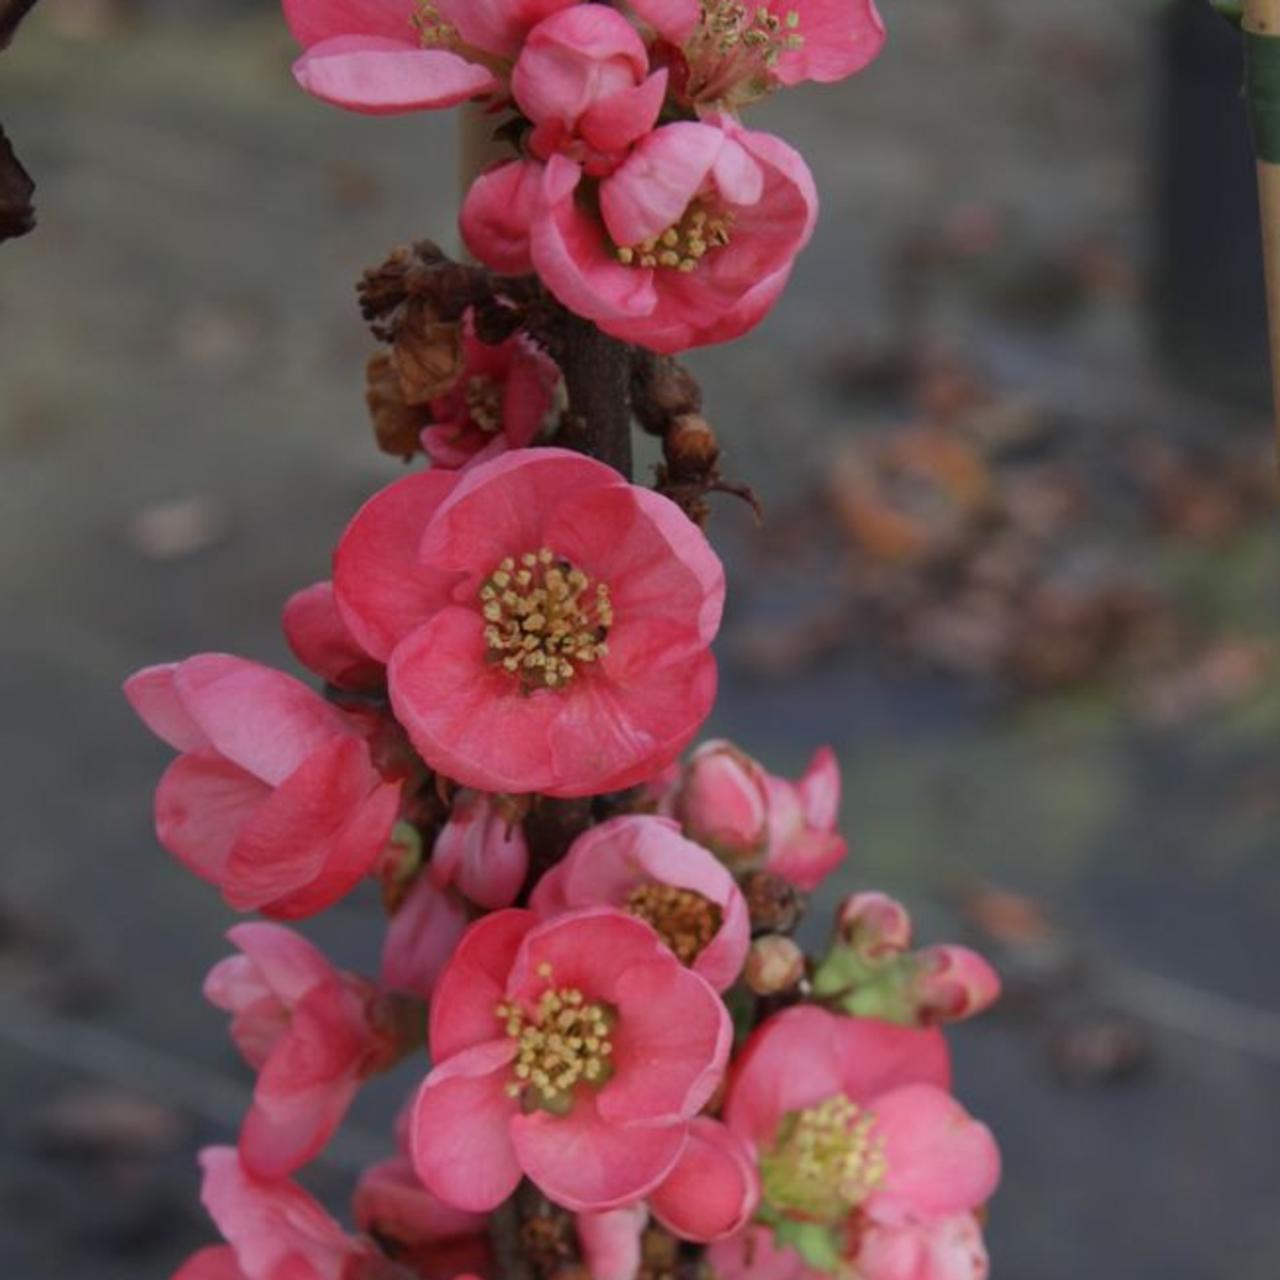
x=1261, y=18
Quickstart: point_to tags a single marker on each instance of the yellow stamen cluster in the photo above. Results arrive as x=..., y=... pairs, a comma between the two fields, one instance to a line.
x=544, y=619
x=562, y=1044
x=730, y=26
x=433, y=31
x=484, y=403
x=827, y=1160
x=683, y=244
x=683, y=919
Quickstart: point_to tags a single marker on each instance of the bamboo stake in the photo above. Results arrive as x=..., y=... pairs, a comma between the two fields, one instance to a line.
x=1260, y=22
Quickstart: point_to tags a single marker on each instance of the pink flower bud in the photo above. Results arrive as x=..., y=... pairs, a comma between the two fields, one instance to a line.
x=953, y=983
x=774, y=964
x=482, y=851
x=723, y=802
x=610, y=1241
x=874, y=925
x=804, y=845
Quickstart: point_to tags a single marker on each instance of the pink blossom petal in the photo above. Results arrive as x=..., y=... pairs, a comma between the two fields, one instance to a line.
x=462, y=1144
x=587, y=1164
x=941, y=1161
x=713, y=1190
x=381, y=589
x=878, y=1056
x=610, y=1241
x=497, y=214
x=421, y=938
x=379, y=76
x=820, y=790
x=840, y=37
x=673, y=20
x=259, y=718
x=950, y=1249
x=286, y=962
x=322, y=642
x=152, y=695
x=656, y=183
x=753, y=1255
x=571, y=253
x=314, y=20
x=392, y=1203
x=497, y=26
x=670, y=1044
x=201, y=803
x=474, y=983
x=613, y=123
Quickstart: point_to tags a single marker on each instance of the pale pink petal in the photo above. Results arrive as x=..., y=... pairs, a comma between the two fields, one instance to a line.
x=610, y=1241
x=950, y=1249
x=879, y=1056
x=421, y=938
x=381, y=589
x=391, y=1202
x=613, y=123
x=670, y=1043
x=378, y=76
x=259, y=718
x=216, y=1263
x=474, y=983
x=587, y=1164
x=152, y=695
x=497, y=214
x=713, y=1190
x=322, y=642
x=201, y=804
x=820, y=790
x=840, y=37
x=753, y=1255
x=497, y=26
x=462, y=1145
x=940, y=1160
x=673, y=20
x=286, y=962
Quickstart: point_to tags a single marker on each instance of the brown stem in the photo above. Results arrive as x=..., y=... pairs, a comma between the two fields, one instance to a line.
x=597, y=376
x=509, y=1255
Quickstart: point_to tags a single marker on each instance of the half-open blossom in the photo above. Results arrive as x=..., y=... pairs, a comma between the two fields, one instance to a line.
x=423, y=932
x=804, y=845
x=311, y=1032
x=546, y=624
x=725, y=52
x=388, y=56
x=320, y=640
x=482, y=851
x=275, y=1230
x=695, y=237
x=644, y=866
x=722, y=802
x=274, y=796
x=574, y=1051
x=498, y=402
x=713, y=1189
x=854, y=1130
x=583, y=79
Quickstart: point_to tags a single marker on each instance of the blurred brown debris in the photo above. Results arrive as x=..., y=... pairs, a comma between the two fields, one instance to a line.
x=17, y=190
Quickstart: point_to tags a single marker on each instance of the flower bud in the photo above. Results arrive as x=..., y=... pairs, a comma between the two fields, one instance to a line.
x=874, y=925
x=723, y=803
x=952, y=983
x=774, y=964
x=482, y=851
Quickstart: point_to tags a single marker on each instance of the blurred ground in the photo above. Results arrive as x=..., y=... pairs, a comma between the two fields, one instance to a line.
x=182, y=436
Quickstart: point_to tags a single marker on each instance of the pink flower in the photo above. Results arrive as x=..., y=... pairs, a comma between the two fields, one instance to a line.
x=583, y=79
x=574, y=1051
x=319, y=639
x=644, y=866
x=946, y=1249
x=695, y=239
x=274, y=797
x=499, y=402
x=421, y=937
x=735, y=54
x=482, y=851
x=546, y=624
x=722, y=802
x=388, y=56
x=854, y=1131
x=309, y=1031
x=804, y=845
x=713, y=1189
x=953, y=983
x=275, y=1229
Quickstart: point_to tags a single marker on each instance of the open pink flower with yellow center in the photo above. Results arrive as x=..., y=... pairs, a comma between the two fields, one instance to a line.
x=732, y=52
x=389, y=56
x=312, y=1033
x=694, y=239
x=574, y=1051
x=499, y=402
x=274, y=797
x=644, y=866
x=546, y=624
x=855, y=1132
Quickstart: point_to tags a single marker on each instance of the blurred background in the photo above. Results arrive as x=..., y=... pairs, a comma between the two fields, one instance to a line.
x=1019, y=568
